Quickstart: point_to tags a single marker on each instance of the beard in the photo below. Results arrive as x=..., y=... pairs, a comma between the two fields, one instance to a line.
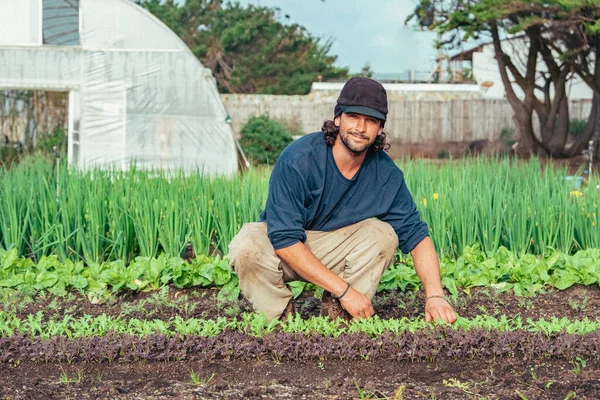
x=355, y=148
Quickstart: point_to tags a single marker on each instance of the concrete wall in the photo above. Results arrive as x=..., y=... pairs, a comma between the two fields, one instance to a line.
x=410, y=120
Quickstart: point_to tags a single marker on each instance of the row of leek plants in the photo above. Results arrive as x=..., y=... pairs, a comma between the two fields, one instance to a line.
x=98, y=215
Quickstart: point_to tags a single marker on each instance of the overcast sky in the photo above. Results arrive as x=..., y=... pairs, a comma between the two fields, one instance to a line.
x=364, y=31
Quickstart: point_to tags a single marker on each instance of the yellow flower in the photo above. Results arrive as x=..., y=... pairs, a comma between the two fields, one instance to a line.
x=576, y=193
x=425, y=201
x=588, y=215
x=435, y=196
x=593, y=223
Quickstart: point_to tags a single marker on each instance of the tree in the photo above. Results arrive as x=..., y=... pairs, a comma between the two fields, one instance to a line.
x=580, y=37
x=541, y=24
x=248, y=49
x=365, y=72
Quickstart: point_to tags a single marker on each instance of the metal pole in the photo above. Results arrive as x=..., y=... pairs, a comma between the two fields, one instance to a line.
x=591, y=154
x=57, y=159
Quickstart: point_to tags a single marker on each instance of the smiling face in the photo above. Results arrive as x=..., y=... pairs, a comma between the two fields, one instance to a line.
x=357, y=131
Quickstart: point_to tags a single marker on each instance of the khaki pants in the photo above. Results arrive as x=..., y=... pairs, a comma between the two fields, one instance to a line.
x=358, y=253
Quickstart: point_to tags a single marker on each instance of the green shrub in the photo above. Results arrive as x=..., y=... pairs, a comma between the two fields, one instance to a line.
x=507, y=136
x=57, y=138
x=577, y=126
x=443, y=154
x=263, y=139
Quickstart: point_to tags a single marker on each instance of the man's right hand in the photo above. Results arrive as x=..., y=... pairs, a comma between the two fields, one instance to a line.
x=299, y=258
x=357, y=304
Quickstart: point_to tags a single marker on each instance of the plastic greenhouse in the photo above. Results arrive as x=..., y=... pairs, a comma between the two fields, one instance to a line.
x=136, y=92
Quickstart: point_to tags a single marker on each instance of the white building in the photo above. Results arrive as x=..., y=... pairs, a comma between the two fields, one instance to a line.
x=136, y=92
x=486, y=72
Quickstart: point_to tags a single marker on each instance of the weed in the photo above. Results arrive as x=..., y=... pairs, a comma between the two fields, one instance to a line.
x=533, y=373
x=455, y=383
x=362, y=393
x=13, y=300
x=53, y=305
x=71, y=310
x=521, y=395
x=189, y=308
x=161, y=298
x=526, y=304
x=579, y=306
x=133, y=308
x=70, y=298
x=379, y=301
x=458, y=302
x=197, y=380
x=233, y=310
x=65, y=379
x=578, y=365
x=430, y=396
x=399, y=393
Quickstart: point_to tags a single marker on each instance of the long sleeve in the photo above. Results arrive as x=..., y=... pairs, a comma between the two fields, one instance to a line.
x=406, y=220
x=285, y=212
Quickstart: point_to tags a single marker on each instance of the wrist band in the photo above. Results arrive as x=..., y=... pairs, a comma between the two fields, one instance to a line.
x=436, y=296
x=343, y=294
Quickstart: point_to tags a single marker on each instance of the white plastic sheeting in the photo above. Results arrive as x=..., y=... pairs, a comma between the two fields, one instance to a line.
x=141, y=95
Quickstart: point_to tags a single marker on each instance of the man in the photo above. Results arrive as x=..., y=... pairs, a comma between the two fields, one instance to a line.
x=338, y=209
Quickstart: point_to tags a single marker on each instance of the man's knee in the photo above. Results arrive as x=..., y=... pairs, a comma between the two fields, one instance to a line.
x=381, y=238
x=249, y=247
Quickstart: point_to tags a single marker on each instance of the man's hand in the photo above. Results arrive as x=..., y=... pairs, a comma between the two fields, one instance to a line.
x=357, y=304
x=427, y=267
x=299, y=258
x=437, y=308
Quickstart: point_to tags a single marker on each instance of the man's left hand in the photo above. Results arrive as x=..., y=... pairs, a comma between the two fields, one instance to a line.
x=439, y=309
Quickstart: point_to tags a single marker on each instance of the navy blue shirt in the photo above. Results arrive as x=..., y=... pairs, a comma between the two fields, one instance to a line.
x=307, y=191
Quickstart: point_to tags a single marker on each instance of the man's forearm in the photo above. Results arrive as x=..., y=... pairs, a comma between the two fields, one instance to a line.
x=427, y=267
x=299, y=258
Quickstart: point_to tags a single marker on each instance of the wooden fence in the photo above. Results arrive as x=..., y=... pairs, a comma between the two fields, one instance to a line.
x=409, y=121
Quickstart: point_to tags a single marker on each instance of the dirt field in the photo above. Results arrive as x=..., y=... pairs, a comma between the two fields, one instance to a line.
x=442, y=152
x=443, y=377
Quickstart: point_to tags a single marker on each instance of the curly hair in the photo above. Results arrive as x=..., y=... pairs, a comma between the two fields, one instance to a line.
x=331, y=131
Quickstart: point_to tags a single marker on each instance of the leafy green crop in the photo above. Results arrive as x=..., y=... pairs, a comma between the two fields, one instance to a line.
x=98, y=281
x=503, y=270
x=257, y=325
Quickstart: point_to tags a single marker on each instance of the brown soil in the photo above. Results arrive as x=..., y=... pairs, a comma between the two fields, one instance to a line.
x=574, y=303
x=444, y=379
x=441, y=153
x=544, y=378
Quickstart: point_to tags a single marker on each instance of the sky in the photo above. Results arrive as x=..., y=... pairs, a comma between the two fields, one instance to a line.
x=363, y=31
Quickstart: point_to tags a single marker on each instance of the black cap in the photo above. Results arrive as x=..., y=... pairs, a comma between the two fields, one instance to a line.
x=363, y=96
